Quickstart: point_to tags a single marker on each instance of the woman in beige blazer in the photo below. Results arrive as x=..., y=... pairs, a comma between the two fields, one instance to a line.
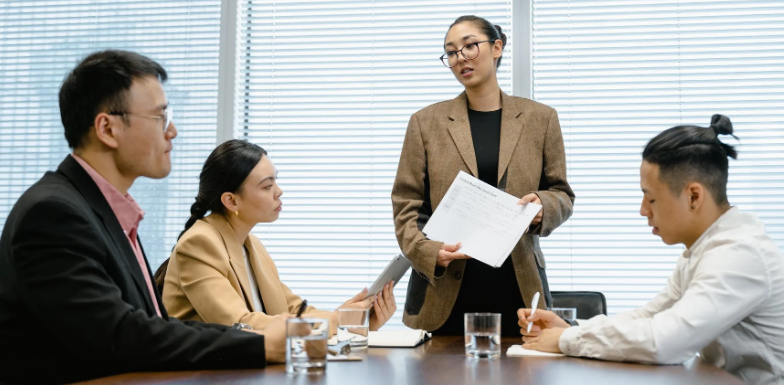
x=218, y=271
x=511, y=143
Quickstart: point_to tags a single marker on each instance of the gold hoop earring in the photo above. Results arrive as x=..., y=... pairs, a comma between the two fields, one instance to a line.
x=237, y=213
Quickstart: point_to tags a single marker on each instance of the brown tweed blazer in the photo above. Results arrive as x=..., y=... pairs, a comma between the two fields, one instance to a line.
x=437, y=146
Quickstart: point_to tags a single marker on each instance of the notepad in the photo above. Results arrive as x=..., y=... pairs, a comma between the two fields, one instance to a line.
x=397, y=338
x=407, y=338
x=520, y=351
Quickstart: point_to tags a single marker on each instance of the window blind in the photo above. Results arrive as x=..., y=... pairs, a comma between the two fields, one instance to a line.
x=619, y=72
x=328, y=88
x=41, y=41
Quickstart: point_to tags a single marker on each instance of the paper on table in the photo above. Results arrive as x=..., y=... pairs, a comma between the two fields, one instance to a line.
x=520, y=351
x=487, y=221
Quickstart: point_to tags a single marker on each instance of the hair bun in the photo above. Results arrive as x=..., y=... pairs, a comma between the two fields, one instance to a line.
x=501, y=33
x=721, y=124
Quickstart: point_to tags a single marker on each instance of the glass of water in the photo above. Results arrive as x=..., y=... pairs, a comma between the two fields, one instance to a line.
x=353, y=325
x=483, y=335
x=306, y=345
x=567, y=313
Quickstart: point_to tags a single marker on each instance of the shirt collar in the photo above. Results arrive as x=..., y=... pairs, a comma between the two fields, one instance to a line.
x=125, y=208
x=711, y=230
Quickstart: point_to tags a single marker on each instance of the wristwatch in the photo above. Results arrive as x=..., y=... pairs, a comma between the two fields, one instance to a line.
x=241, y=326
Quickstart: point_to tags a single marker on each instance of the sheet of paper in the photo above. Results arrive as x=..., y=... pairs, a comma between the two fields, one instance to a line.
x=520, y=351
x=487, y=221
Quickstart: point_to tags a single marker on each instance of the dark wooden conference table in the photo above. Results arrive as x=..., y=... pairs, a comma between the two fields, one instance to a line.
x=442, y=361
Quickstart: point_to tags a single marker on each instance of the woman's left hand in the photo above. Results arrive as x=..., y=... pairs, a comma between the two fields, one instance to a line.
x=383, y=307
x=532, y=198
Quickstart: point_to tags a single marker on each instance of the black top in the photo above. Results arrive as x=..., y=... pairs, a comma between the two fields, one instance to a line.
x=485, y=288
x=73, y=298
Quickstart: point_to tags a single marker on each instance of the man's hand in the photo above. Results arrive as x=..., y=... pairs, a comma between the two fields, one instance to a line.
x=275, y=338
x=547, y=341
x=542, y=320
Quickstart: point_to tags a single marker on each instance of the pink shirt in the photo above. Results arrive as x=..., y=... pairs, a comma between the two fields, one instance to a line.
x=129, y=214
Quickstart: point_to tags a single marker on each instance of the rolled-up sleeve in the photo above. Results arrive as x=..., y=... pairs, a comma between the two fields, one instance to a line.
x=728, y=284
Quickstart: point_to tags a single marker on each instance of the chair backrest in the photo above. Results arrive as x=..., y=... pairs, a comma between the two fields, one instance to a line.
x=588, y=303
x=160, y=276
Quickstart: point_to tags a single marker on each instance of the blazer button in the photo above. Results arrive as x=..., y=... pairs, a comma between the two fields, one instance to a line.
x=458, y=275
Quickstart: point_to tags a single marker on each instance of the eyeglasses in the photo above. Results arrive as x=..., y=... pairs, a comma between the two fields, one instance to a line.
x=166, y=118
x=470, y=51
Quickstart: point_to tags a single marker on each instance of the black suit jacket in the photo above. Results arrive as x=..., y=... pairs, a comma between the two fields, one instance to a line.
x=73, y=301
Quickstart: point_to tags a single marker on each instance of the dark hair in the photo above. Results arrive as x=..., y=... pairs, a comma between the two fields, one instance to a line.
x=691, y=153
x=100, y=83
x=493, y=32
x=225, y=170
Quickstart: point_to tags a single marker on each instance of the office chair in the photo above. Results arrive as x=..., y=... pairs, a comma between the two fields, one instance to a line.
x=587, y=303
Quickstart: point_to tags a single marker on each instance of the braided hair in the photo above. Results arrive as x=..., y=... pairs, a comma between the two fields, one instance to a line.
x=225, y=170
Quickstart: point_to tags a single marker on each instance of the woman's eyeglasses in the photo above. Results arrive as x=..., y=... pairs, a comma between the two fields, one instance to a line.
x=470, y=51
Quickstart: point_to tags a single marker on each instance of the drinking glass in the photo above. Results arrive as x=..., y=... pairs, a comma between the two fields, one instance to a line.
x=483, y=335
x=567, y=313
x=306, y=345
x=353, y=325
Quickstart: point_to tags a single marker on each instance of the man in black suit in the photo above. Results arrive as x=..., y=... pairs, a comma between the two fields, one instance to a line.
x=76, y=296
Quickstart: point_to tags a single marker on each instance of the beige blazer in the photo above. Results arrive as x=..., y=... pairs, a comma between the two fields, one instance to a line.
x=207, y=279
x=437, y=146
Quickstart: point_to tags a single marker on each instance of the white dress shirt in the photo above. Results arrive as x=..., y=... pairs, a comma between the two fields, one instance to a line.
x=254, y=287
x=725, y=299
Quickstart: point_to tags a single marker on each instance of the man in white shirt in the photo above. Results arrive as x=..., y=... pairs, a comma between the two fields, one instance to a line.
x=725, y=298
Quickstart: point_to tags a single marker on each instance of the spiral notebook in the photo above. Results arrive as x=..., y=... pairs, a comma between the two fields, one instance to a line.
x=398, y=338
x=407, y=338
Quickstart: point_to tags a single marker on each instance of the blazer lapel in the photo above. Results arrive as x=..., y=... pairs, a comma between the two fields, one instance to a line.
x=236, y=256
x=512, y=128
x=94, y=197
x=269, y=284
x=460, y=130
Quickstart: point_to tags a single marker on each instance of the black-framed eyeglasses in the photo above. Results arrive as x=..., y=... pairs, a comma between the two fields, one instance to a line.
x=469, y=51
x=166, y=118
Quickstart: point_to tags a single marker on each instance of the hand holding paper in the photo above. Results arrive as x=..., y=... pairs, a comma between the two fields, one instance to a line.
x=532, y=198
x=485, y=220
x=449, y=253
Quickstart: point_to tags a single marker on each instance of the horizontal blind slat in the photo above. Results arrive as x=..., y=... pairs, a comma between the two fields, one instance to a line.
x=620, y=72
x=328, y=89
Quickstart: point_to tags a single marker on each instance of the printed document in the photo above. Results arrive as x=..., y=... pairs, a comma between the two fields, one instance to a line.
x=487, y=221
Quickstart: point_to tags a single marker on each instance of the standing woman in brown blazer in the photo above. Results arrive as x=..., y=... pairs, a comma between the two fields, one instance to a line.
x=511, y=143
x=218, y=271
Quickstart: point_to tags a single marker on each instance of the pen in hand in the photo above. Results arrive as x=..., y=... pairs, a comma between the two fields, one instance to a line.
x=302, y=307
x=534, y=305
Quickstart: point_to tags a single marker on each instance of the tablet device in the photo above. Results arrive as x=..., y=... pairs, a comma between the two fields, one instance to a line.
x=393, y=272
